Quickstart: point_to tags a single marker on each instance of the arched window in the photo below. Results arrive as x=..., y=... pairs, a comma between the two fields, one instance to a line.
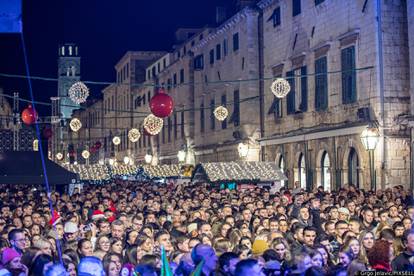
x=325, y=172
x=281, y=165
x=353, y=167
x=302, y=171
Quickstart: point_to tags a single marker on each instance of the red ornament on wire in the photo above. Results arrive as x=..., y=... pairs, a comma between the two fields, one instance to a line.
x=29, y=115
x=98, y=145
x=161, y=104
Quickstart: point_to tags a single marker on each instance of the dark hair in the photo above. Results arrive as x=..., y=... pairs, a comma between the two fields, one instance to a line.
x=144, y=269
x=225, y=258
x=270, y=255
x=244, y=265
x=39, y=263
x=131, y=255
x=80, y=244
x=12, y=234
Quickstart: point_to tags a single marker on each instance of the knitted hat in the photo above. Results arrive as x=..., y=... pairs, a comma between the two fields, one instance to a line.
x=55, y=218
x=259, y=246
x=97, y=214
x=70, y=227
x=8, y=255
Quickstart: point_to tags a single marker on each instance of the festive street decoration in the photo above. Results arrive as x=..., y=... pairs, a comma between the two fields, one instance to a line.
x=221, y=113
x=280, y=87
x=98, y=145
x=78, y=92
x=241, y=171
x=95, y=172
x=75, y=124
x=86, y=154
x=134, y=135
x=35, y=145
x=162, y=171
x=59, y=156
x=153, y=124
x=29, y=115
x=161, y=104
x=116, y=140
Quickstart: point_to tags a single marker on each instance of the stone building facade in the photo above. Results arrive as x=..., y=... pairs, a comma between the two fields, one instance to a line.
x=228, y=52
x=120, y=111
x=345, y=74
x=410, y=16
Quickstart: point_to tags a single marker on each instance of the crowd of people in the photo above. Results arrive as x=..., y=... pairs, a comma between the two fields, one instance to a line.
x=153, y=229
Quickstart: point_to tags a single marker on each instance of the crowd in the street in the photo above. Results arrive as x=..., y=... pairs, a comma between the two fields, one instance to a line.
x=155, y=229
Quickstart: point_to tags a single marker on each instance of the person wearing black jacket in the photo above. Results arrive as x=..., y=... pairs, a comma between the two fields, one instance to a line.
x=405, y=261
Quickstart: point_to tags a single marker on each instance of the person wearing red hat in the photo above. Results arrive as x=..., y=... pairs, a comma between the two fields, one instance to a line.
x=10, y=260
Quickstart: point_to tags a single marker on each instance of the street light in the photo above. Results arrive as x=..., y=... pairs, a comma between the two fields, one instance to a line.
x=126, y=160
x=243, y=150
x=148, y=158
x=182, y=154
x=369, y=138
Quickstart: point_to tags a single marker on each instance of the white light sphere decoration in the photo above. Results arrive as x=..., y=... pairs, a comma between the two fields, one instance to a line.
x=153, y=125
x=116, y=140
x=126, y=160
x=75, y=124
x=85, y=154
x=221, y=113
x=59, y=156
x=134, y=135
x=280, y=87
x=78, y=92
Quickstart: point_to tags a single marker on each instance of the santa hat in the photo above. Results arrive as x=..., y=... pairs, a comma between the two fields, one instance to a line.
x=55, y=218
x=97, y=214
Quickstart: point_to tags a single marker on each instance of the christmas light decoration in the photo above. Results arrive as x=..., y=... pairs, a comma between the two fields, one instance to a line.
x=280, y=87
x=162, y=171
x=161, y=104
x=243, y=171
x=134, y=135
x=29, y=115
x=35, y=145
x=75, y=124
x=78, y=92
x=59, y=156
x=85, y=154
x=221, y=113
x=153, y=124
x=116, y=140
x=126, y=160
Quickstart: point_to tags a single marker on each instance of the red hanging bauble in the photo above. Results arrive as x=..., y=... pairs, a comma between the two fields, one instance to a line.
x=29, y=115
x=47, y=132
x=93, y=149
x=161, y=104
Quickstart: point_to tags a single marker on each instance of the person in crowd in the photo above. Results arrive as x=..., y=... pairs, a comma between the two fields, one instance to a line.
x=123, y=227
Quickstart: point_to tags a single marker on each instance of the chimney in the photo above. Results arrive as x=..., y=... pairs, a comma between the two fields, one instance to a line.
x=220, y=15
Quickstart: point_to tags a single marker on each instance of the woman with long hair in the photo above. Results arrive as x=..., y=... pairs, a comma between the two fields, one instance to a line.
x=102, y=246
x=366, y=240
x=85, y=248
x=281, y=246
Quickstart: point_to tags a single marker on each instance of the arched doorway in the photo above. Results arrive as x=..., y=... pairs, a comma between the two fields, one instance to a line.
x=353, y=167
x=302, y=171
x=281, y=165
x=325, y=172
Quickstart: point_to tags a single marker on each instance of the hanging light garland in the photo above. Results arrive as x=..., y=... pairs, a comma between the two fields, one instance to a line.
x=280, y=87
x=221, y=113
x=153, y=124
x=75, y=124
x=78, y=92
x=35, y=145
x=134, y=135
x=116, y=140
x=85, y=154
x=59, y=156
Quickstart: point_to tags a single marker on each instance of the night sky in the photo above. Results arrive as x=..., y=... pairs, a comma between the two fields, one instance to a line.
x=104, y=31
